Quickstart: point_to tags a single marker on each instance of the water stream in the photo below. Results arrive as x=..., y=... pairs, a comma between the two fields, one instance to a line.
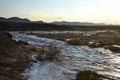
x=74, y=58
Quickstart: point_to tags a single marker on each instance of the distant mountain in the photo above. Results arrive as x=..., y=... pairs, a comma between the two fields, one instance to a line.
x=17, y=19
x=2, y=19
x=25, y=20
x=14, y=19
x=78, y=23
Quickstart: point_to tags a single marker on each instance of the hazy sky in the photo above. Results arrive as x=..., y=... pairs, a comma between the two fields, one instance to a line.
x=102, y=11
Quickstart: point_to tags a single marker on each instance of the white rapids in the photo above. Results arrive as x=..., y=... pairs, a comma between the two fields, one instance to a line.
x=74, y=58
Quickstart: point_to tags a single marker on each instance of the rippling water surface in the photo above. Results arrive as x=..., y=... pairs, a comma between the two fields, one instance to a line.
x=74, y=58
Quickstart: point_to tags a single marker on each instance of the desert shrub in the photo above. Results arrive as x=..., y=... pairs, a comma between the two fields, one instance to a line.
x=50, y=52
x=87, y=75
x=77, y=41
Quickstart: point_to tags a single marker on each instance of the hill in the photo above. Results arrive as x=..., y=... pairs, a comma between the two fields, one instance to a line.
x=14, y=19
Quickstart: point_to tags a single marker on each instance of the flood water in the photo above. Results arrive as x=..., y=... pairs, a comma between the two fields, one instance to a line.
x=74, y=58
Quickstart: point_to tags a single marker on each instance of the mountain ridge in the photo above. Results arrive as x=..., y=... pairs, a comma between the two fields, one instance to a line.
x=25, y=20
x=14, y=19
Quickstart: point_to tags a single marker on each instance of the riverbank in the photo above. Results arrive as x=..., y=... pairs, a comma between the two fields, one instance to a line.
x=14, y=58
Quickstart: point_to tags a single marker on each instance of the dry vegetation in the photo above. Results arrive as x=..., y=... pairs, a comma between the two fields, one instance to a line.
x=50, y=53
x=100, y=39
x=87, y=75
x=13, y=59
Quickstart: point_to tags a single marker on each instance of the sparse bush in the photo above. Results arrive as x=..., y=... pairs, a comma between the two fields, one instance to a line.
x=50, y=52
x=87, y=75
x=77, y=42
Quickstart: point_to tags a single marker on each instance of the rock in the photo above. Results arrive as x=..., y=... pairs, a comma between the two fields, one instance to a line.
x=114, y=48
x=22, y=43
x=8, y=34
